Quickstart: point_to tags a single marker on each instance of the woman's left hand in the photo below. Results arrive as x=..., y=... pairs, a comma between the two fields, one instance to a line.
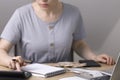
x=104, y=58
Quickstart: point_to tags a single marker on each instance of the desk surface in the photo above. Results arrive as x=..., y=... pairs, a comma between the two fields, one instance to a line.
x=67, y=74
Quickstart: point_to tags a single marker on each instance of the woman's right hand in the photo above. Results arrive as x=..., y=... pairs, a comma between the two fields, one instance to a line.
x=16, y=62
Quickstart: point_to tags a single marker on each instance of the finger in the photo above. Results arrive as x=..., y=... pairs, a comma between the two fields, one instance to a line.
x=111, y=61
x=102, y=60
x=107, y=60
x=9, y=64
x=18, y=66
x=12, y=65
x=114, y=61
x=24, y=64
x=19, y=60
x=105, y=57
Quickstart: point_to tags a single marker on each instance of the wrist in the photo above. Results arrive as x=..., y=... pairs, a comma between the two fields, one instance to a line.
x=94, y=57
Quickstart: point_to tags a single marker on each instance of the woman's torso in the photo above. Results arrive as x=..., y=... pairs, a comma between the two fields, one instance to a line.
x=48, y=42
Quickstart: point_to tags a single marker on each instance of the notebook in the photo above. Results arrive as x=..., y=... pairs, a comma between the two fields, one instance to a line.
x=43, y=70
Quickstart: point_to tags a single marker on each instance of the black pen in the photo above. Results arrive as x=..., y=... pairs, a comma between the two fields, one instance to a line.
x=28, y=61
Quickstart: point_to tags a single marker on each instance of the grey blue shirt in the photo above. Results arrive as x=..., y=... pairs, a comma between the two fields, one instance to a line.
x=41, y=41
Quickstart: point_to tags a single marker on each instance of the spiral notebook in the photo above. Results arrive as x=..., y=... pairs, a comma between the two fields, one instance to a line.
x=43, y=70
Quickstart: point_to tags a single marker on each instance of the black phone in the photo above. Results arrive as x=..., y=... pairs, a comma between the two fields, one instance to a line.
x=14, y=74
x=90, y=63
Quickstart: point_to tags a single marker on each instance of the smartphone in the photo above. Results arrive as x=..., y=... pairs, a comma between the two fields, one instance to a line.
x=15, y=74
x=90, y=63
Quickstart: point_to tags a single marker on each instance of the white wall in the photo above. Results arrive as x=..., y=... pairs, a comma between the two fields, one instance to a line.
x=101, y=18
x=7, y=7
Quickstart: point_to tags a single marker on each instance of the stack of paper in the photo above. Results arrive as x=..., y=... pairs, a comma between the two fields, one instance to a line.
x=43, y=70
x=87, y=73
x=73, y=78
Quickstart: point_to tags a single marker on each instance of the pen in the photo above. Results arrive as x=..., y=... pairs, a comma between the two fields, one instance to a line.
x=26, y=61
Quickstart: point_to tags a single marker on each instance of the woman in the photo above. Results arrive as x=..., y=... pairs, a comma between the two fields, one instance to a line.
x=46, y=31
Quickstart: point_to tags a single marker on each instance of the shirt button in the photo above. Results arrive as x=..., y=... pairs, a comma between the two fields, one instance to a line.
x=50, y=27
x=52, y=44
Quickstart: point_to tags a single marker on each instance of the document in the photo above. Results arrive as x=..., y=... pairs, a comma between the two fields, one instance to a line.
x=43, y=70
x=73, y=78
x=86, y=73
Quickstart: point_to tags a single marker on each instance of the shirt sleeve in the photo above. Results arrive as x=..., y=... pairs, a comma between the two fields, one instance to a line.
x=11, y=31
x=79, y=32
